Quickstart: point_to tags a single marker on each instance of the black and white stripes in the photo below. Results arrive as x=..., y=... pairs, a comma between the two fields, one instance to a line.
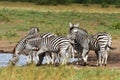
x=62, y=48
x=54, y=44
x=21, y=46
x=100, y=43
x=47, y=42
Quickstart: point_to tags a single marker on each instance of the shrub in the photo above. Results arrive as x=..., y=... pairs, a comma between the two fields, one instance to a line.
x=115, y=26
x=53, y=2
x=117, y=4
x=104, y=5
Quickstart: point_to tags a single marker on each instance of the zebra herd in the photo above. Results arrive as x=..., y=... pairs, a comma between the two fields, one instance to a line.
x=58, y=49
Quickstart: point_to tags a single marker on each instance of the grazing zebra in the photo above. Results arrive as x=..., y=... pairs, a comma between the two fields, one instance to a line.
x=101, y=44
x=80, y=38
x=53, y=44
x=20, y=47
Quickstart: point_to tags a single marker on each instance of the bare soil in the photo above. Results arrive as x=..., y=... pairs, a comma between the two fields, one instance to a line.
x=113, y=59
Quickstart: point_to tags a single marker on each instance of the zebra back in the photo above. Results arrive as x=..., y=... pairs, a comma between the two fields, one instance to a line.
x=100, y=40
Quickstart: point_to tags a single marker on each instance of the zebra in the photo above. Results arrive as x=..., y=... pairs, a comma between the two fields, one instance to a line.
x=55, y=44
x=100, y=43
x=20, y=47
x=80, y=38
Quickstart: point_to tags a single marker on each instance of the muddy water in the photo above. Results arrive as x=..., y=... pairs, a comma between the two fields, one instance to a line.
x=4, y=60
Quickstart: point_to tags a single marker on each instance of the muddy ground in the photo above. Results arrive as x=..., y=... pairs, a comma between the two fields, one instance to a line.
x=113, y=59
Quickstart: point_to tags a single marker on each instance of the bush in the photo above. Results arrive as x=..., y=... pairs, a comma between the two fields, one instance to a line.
x=115, y=26
x=117, y=4
x=53, y=2
x=104, y=5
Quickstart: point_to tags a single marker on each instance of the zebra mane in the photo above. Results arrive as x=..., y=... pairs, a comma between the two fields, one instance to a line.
x=25, y=38
x=22, y=40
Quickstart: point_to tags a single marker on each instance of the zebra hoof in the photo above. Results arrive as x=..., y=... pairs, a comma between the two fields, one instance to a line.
x=84, y=64
x=11, y=63
x=99, y=64
x=105, y=64
x=38, y=64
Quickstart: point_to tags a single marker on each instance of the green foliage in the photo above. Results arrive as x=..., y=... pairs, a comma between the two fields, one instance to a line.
x=117, y=6
x=115, y=25
x=104, y=5
x=117, y=3
x=55, y=2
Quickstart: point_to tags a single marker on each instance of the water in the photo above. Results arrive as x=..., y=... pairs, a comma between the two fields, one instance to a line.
x=4, y=60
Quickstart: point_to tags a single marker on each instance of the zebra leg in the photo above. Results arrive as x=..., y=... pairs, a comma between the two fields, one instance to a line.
x=97, y=54
x=99, y=58
x=30, y=57
x=48, y=58
x=79, y=56
x=105, y=56
x=63, y=56
x=57, y=58
x=53, y=57
x=85, y=56
x=73, y=53
x=40, y=56
x=102, y=58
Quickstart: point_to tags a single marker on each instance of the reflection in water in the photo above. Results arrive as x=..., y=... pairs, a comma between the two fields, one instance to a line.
x=4, y=59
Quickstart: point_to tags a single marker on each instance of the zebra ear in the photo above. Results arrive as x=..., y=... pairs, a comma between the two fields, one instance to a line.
x=70, y=24
x=77, y=25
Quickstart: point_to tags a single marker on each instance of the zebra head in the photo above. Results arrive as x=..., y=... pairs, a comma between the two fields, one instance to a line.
x=21, y=46
x=17, y=51
x=33, y=30
x=73, y=27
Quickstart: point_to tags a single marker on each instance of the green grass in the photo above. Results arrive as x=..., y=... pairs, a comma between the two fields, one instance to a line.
x=15, y=21
x=49, y=72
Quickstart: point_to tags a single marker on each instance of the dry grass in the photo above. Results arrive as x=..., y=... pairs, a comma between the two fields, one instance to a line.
x=49, y=72
x=59, y=8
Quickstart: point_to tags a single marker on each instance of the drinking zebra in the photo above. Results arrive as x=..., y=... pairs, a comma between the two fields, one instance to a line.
x=20, y=47
x=100, y=43
x=55, y=44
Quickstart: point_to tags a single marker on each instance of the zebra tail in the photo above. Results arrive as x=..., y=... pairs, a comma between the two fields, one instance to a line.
x=112, y=48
